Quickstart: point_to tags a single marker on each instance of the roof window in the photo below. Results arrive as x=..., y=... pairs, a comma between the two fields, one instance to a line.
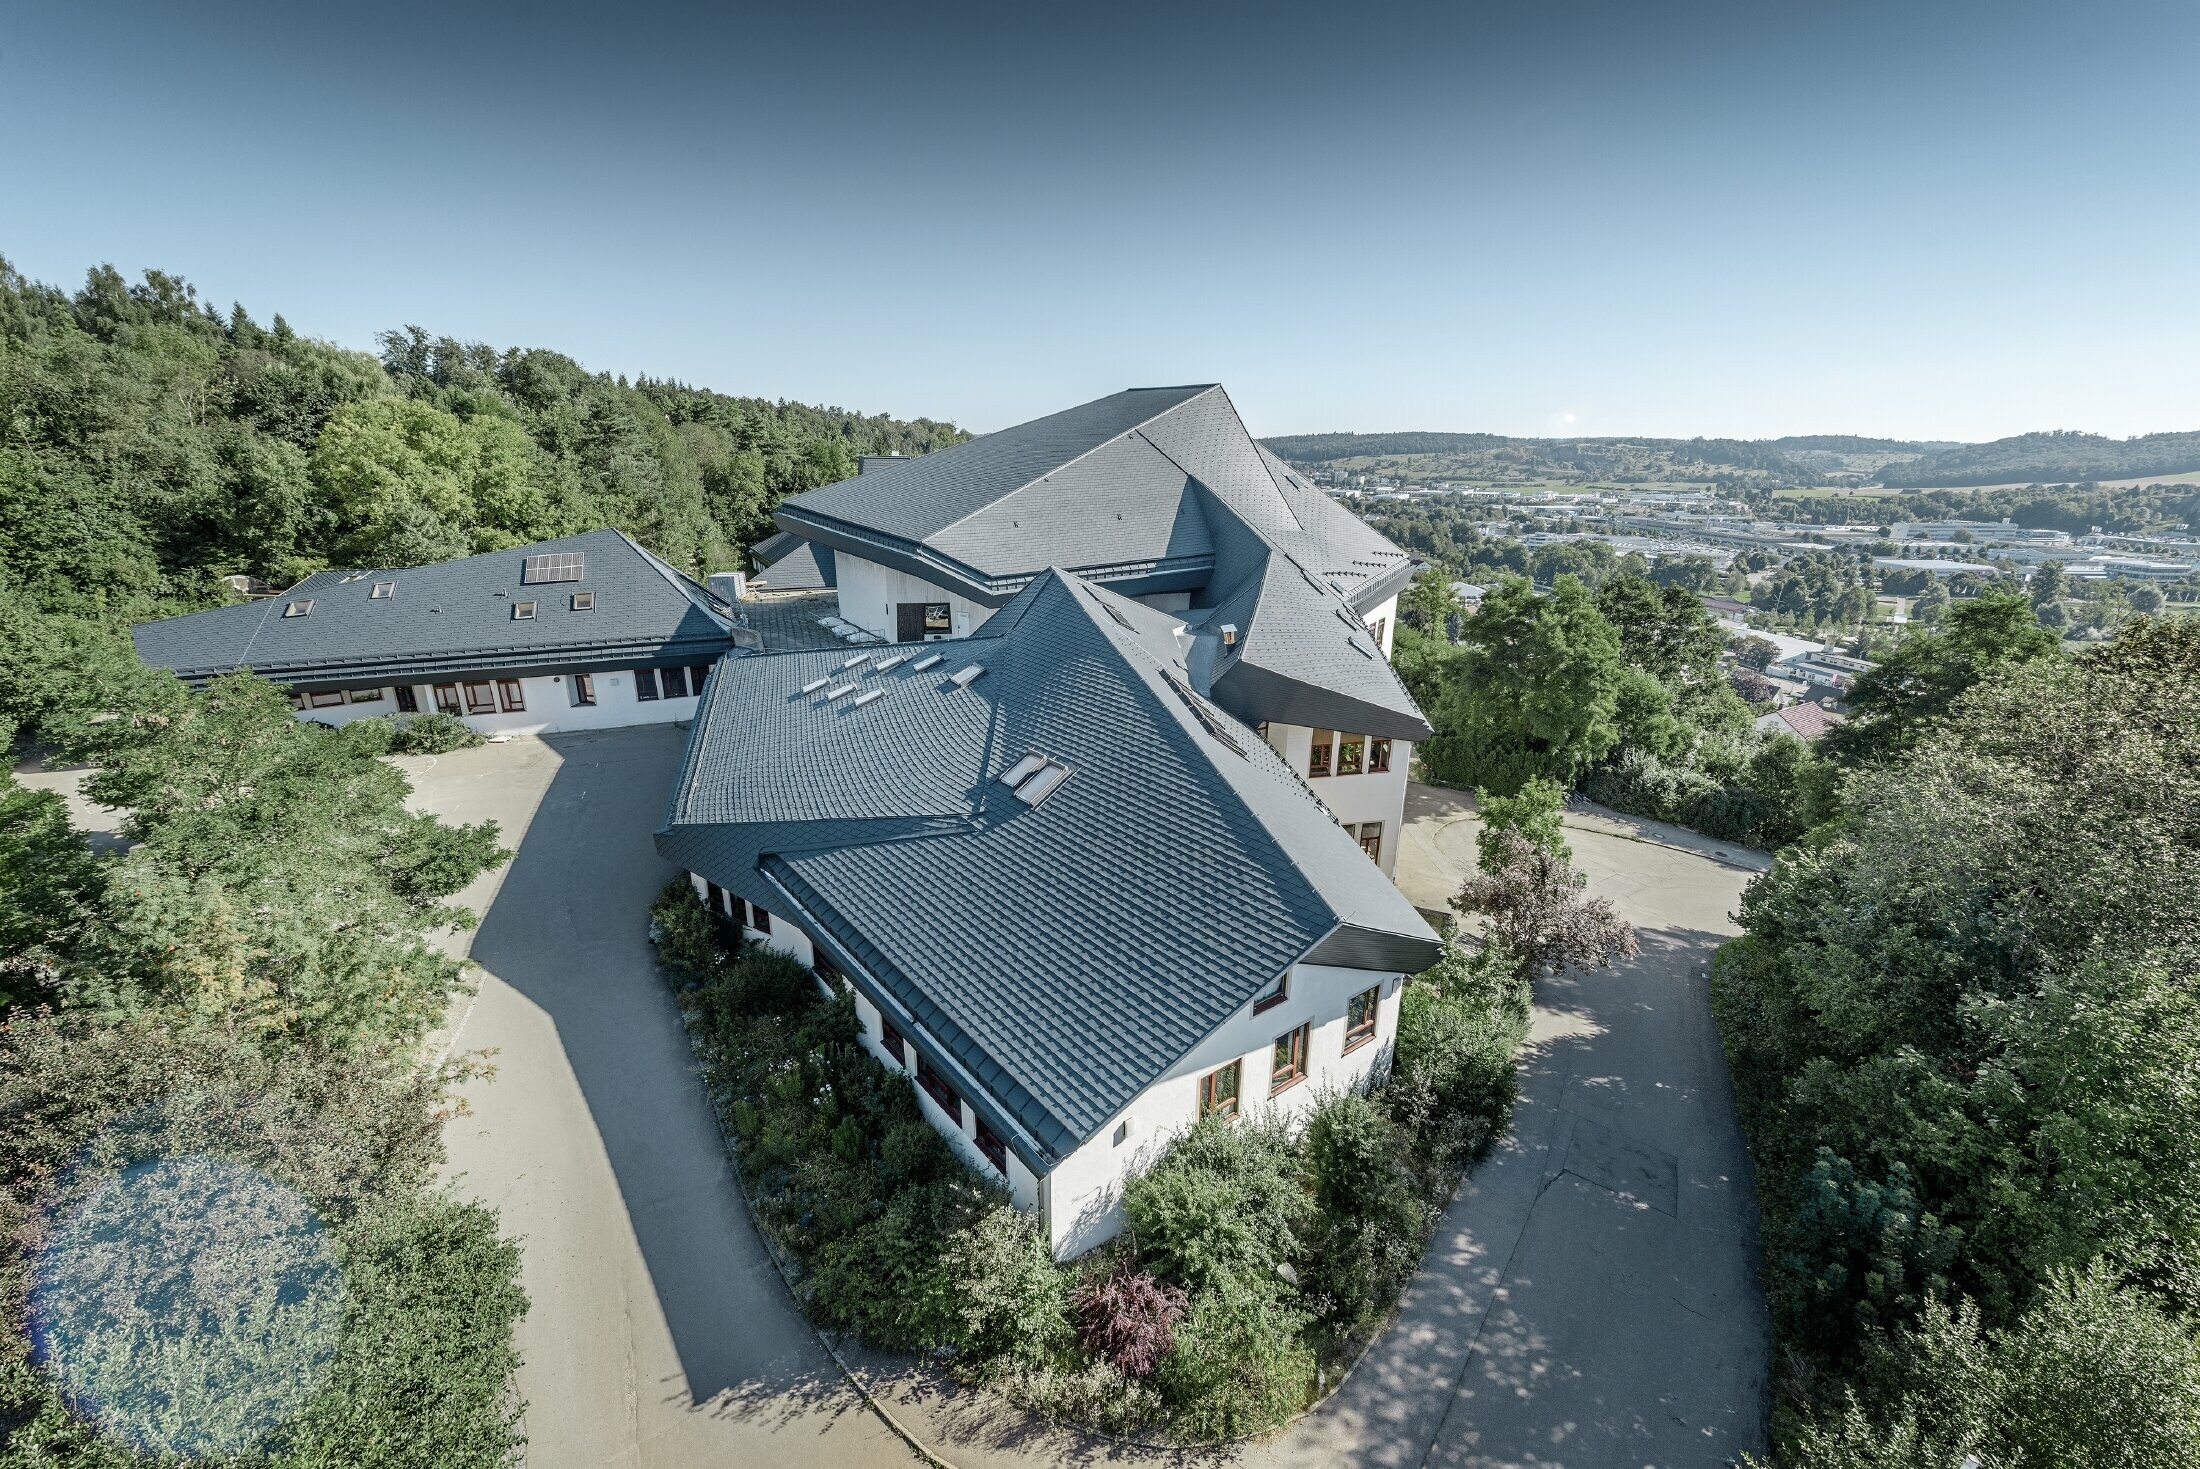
x=965, y=676
x=553, y=566
x=584, y=601
x=382, y=591
x=929, y=660
x=523, y=612
x=856, y=662
x=885, y=663
x=1042, y=783
x=839, y=691
x=869, y=696
x=298, y=608
x=1022, y=770
x=815, y=684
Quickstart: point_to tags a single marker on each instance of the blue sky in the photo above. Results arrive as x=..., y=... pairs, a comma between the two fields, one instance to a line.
x=1924, y=219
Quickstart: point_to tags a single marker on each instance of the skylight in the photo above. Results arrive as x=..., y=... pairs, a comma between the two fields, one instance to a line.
x=382, y=591
x=856, y=662
x=1042, y=783
x=1022, y=770
x=839, y=691
x=584, y=601
x=298, y=608
x=523, y=612
x=553, y=566
x=929, y=660
x=815, y=684
x=868, y=695
x=885, y=663
x=965, y=676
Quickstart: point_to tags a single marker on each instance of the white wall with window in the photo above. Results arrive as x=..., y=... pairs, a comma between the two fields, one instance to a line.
x=1360, y=778
x=535, y=704
x=872, y=596
x=1338, y=1024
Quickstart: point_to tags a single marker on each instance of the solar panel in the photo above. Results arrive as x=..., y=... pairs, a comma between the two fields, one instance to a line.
x=929, y=660
x=1021, y=771
x=553, y=566
x=963, y=677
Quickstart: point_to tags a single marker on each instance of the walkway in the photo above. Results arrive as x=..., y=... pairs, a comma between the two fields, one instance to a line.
x=660, y=1333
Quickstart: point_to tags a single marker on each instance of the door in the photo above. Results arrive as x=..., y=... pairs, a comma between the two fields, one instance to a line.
x=909, y=622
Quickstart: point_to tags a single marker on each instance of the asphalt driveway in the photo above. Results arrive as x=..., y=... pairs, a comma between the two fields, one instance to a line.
x=660, y=1333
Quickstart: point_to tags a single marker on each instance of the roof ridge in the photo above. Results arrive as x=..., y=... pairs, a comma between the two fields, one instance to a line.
x=1135, y=429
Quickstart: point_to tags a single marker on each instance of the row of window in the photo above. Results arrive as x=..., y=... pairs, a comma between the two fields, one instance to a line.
x=1219, y=1089
x=1347, y=754
x=491, y=696
x=747, y=914
x=943, y=1094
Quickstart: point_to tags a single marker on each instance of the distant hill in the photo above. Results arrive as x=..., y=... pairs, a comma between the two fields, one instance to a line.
x=2050, y=458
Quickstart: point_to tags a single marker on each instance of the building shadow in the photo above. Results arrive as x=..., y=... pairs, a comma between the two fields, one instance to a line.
x=568, y=930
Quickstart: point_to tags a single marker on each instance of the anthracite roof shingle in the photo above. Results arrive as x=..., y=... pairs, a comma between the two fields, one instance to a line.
x=1153, y=489
x=449, y=617
x=1064, y=954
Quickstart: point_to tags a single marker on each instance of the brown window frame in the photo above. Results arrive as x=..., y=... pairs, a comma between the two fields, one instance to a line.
x=1363, y=837
x=1320, y=756
x=1378, y=756
x=324, y=698
x=1358, y=1033
x=1276, y=996
x=696, y=675
x=1293, y=1046
x=759, y=919
x=1351, y=754
x=511, y=696
x=1212, y=1100
x=486, y=703
x=822, y=965
x=408, y=702
x=940, y=1090
x=582, y=691
x=366, y=696
x=1377, y=628
x=645, y=685
x=447, y=700
x=890, y=1036
x=992, y=1148
x=714, y=897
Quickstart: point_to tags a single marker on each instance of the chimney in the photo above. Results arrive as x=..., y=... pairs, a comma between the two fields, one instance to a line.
x=1229, y=635
x=865, y=463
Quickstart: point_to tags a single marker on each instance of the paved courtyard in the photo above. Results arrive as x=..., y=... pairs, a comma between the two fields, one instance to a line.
x=1590, y=1300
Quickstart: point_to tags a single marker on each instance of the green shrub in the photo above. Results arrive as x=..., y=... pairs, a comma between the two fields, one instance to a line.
x=1367, y=1231
x=690, y=938
x=1240, y=1364
x=430, y=734
x=1014, y=1299
x=1222, y=1205
x=1452, y=1076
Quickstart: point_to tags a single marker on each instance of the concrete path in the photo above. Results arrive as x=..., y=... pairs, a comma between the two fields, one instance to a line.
x=660, y=1334
x=1590, y=1300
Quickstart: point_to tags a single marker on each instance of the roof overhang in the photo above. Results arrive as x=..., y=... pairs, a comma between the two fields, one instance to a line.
x=510, y=663
x=994, y=590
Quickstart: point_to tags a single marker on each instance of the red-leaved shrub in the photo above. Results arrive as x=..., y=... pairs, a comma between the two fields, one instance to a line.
x=1129, y=1318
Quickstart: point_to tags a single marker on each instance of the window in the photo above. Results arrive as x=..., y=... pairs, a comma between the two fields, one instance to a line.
x=996, y=1151
x=446, y=698
x=1276, y=996
x=940, y=1090
x=1371, y=839
x=324, y=698
x=581, y=690
x=1359, y=1018
x=1377, y=628
x=297, y=700
x=675, y=682
x=1218, y=1092
x=1122, y=1131
x=299, y=608
x=938, y=619
x=759, y=919
x=508, y=690
x=584, y=601
x=408, y=702
x=645, y=684
x=897, y=1045
x=523, y=612
x=715, y=896
x=695, y=680
x=1351, y=750
x=382, y=591
x=481, y=698
x=1317, y=764
x=1288, y=1066
x=366, y=696
x=553, y=566
x=822, y=965
x=1378, y=756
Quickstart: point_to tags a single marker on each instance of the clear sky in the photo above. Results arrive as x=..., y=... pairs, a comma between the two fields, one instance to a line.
x=1924, y=219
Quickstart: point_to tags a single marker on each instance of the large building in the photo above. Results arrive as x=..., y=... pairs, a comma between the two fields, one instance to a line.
x=1287, y=600
x=1078, y=902
x=587, y=632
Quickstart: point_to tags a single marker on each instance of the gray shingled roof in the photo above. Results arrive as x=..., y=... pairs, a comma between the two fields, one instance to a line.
x=1064, y=955
x=1148, y=490
x=787, y=563
x=450, y=617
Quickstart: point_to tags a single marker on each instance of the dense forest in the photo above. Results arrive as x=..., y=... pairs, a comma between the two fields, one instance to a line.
x=2049, y=458
x=150, y=444
x=2078, y=508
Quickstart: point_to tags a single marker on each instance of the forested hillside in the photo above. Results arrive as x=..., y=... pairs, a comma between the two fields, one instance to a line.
x=2053, y=458
x=149, y=444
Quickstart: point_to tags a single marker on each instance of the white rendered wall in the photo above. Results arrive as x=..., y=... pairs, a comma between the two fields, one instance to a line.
x=870, y=593
x=1084, y=1192
x=1387, y=616
x=549, y=708
x=1352, y=799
